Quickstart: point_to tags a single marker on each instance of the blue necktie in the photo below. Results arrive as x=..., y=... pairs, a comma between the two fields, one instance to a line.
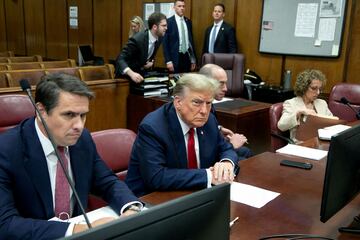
x=212, y=40
x=183, y=48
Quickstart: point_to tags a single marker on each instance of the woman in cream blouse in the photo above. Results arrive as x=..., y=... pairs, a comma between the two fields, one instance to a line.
x=308, y=86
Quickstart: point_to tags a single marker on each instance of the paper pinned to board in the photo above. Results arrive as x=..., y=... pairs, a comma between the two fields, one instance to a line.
x=300, y=151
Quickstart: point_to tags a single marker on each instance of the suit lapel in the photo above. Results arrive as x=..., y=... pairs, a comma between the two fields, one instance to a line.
x=177, y=137
x=80, y=173
x=202, y=143
x=146, y=46
x=36, y=166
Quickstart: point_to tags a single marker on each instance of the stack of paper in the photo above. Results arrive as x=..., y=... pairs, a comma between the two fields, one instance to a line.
x=301, y=151
x=153, y=85
x=327, y=132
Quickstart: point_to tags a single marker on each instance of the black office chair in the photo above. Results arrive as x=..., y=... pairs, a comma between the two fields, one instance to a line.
x=86, y=57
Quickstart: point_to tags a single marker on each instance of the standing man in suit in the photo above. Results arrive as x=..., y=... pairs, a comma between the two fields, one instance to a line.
x=237, y=140
x=179, y=146
x=33, y=187
x=179, y=50
x=220, y=37
x=139, y=53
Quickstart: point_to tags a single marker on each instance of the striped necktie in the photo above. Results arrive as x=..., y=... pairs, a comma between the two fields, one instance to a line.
x=62, y=188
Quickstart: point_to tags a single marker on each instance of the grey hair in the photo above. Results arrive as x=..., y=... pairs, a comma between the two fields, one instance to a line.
x=197, y=83
x=209, y=70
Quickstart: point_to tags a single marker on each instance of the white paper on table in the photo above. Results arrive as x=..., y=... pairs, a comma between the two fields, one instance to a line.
x=225, y=99
x=300, y=151
x=327, y=132
x=250, y=195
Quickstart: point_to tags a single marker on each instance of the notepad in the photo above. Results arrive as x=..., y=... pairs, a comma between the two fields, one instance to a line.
x=327, y=132
x=300, y=151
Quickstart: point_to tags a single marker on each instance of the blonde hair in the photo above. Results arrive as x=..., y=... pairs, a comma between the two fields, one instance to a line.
x=137, y=20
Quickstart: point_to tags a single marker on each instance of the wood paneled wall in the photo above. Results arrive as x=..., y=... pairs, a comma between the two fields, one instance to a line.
x=31, y=27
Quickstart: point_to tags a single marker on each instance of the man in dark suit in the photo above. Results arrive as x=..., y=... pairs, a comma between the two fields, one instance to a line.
x=237, y=140
x=220, y=37
x=178, y=44
x=179, y=146
x=138, y=54
x=33, y=187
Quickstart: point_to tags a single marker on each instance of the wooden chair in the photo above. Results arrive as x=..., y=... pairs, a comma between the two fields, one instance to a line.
x=7, y=54
x=4, y=60
x=4, y=83
x=59, y=64
x=33, y=76
x=90, y=73
x=71, y=71
x=3, y=67
x=24, y=65
x=35, y=58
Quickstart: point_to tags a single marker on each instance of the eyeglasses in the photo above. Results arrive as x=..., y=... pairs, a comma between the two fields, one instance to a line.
x=315, y=89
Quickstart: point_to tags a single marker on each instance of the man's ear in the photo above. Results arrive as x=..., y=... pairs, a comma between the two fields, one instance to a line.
x=177, y=102
x=42, y=109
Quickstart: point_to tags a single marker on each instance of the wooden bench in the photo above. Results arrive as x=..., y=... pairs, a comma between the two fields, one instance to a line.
x=7, y=54
x=37, y=65
x=88, y=73
x=35, y=58
x=111, y=93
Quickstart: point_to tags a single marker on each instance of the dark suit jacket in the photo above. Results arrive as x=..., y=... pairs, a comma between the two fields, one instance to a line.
x=172, y=40
x=135, y=53
x=159, y=160
x=26, y=200
x=225, y=40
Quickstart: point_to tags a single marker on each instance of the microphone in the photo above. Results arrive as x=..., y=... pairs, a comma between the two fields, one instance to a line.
x=346, y=102
x=25, y=86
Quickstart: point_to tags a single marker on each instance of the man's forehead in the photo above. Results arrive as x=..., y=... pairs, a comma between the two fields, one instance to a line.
x=203, y=95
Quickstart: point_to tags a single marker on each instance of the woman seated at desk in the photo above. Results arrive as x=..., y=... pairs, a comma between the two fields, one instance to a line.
x=308, y=86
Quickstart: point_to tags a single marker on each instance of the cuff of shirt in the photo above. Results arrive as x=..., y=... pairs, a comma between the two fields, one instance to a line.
x=70, y=229
x=137, y=203
x=229, y=160
x=125, y=70
x=209, y=178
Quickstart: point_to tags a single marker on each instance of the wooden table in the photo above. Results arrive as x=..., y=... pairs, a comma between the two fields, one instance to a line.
x=242, y=116
x=295, y=210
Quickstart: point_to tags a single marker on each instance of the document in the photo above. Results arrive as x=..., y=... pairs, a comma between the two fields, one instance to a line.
x=300, y=151
x=250, y=195
x=92, y=215
x=327, y=132
x=225, y=99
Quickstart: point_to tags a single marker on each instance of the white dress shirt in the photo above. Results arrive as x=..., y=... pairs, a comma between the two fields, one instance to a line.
x=185, y=129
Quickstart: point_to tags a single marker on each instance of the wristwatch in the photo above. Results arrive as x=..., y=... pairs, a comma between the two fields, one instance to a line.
x=133, y=208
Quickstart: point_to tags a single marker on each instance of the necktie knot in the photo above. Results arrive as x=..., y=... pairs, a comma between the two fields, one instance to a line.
x=191, y=132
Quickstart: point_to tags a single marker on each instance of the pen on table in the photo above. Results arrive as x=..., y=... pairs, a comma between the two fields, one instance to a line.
x=233, y=221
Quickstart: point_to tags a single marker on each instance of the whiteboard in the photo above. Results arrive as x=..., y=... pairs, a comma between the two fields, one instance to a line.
x=302, y=27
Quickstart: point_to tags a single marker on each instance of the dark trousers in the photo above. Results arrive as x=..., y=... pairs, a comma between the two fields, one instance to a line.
x=184, y=65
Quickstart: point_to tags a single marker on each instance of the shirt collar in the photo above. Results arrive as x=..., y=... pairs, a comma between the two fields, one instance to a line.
x=184, y=127
x=177, y=17
x=44, y=141
x=219, y=23
x=152, y=39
